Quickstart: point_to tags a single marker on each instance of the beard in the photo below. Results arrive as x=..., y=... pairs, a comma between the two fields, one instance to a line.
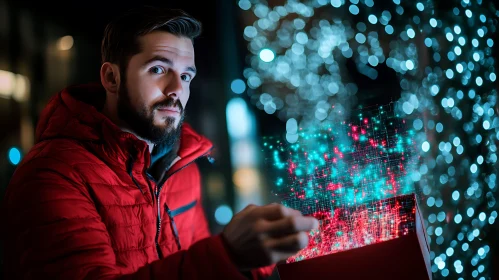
x=141, y=120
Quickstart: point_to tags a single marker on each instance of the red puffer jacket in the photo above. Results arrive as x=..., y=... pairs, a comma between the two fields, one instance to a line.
x=81, y=206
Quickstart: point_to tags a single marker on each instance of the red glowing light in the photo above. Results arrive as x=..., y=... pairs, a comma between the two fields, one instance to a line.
x=354, y=227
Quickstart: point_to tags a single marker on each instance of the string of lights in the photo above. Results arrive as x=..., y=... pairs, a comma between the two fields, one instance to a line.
x=442, y=54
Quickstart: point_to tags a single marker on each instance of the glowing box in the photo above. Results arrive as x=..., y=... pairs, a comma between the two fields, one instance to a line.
x=385, y=239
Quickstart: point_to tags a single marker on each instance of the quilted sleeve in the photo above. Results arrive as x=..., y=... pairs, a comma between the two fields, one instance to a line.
x=53, y=231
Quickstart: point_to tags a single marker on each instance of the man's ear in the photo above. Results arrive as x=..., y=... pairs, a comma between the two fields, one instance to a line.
x=110, y=77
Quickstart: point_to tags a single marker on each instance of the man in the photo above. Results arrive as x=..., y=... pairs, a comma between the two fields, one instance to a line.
x=111, y=190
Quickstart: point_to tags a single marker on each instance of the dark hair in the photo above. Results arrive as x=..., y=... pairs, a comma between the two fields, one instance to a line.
x=121, y=35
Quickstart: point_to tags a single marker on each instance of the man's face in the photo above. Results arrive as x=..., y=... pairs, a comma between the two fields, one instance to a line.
x=153, y=96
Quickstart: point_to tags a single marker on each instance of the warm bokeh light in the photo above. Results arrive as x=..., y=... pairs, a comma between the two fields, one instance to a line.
x=247, y=180
x=65, y=43
x=14, y=85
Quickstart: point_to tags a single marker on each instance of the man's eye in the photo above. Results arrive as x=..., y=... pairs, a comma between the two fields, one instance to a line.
x=186, y=78
x=157, y=70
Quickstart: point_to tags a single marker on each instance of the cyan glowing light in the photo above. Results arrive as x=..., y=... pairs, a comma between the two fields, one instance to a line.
x=361, y=38
x=250, y=31
x=431, y=201
x=336, y=3
x=480, y=32
x=239, y=120
x=407, y=107
x=460, y=94
x=432, y=218
x=354, y=10
x=434, y=89
x=486, y=124
x=433, y=22
x=244, y=4
x=425, y=146
x=441, y=265
x=449, y=73
x=438, y=231
x=451, y=56
x=470, y=212
x=409, y=64
x=455, y=195
x=14, y=155
x=439, y=127
x=479, y=81
x=267, y=55
x=428, y=42
x=411, y=33
x=302, y=38
x=420, y=6
x=389, y=29
x=476, y=56
x=373, y=60
x=238, y=86
x=492, y=77
x=418, y=124
x=223, y=214
x=449, y=251
x=436, y=57
x=478, y=138
x=482, y=216
x=449, y=36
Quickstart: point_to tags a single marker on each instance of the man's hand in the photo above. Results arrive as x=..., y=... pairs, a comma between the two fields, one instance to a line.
x=263, y=235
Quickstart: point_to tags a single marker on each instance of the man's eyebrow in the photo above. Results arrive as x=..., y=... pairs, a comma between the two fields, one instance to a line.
x=159, y=58
x=168, y=62
x=192, y=69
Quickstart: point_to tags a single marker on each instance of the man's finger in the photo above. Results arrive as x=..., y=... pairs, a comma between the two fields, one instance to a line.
x=288, y=244
x=275, y=211
x=289, y=225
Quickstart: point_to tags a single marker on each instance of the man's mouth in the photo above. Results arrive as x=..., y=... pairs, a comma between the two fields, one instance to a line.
x=169, y=110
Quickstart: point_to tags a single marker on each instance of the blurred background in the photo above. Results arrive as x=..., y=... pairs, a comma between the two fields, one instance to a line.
x=48, y=45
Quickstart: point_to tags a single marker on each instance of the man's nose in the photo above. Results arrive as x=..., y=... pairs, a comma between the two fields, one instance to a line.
x=173, y=86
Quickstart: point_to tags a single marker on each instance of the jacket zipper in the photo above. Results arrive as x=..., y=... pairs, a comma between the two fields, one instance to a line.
x=158, y=191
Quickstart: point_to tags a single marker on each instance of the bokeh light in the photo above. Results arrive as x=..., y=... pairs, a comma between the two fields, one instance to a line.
x=446, y=71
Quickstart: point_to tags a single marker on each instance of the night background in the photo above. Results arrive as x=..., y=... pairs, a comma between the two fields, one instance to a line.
x=35, y=45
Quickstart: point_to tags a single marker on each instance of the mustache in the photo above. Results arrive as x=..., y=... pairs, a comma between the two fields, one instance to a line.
x=170, y=102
